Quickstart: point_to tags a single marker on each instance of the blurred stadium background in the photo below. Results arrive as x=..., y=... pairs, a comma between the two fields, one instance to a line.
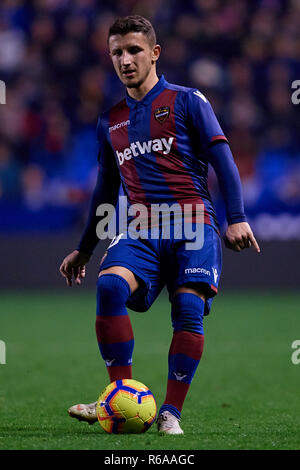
x=244, y=55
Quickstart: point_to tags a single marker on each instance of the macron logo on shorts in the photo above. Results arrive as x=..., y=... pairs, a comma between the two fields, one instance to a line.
x=140, y=148
x=197, y=271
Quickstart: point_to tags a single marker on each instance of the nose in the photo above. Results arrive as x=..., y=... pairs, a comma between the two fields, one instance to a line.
x=125, y=58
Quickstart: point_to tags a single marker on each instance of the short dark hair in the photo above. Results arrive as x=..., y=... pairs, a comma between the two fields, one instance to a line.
x=133, y=23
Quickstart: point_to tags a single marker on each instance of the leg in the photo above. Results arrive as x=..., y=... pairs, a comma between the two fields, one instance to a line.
x=125, y=273
x=187, y=344
x=192, y=286
x=113, y=326
x=113, y=330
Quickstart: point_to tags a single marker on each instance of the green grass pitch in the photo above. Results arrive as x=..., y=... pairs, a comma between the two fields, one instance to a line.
x=245, y=393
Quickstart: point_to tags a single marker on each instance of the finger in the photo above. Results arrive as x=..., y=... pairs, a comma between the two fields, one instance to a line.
x=62, y=269
x=68, y=277
x=237, y=247
x=254, y=243
x=79, y=274
x=66, y=274
x=76, y=273
x=82, y=271
x=227, y=243
x=246, y=242
x=232, y=245
x=238, y=244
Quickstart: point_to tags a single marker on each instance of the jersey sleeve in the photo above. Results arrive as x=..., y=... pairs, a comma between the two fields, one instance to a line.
x=203, y=120
x=222, y=161
x=106, y=158
x=106, y=190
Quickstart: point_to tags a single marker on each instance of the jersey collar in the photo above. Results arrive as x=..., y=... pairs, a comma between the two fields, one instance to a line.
x=155, y=91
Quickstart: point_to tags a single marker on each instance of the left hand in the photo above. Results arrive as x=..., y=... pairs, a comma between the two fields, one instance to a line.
x=73, y=267
x=240, y=236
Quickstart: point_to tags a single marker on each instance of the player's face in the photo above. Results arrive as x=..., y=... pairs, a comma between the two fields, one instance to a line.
x=133, y=58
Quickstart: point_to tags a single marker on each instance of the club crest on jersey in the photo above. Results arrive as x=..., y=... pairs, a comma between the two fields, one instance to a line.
x=162, y=113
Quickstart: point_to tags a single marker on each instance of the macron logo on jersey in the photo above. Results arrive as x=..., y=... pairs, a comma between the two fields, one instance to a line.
x=140, y=148
x=119, y=125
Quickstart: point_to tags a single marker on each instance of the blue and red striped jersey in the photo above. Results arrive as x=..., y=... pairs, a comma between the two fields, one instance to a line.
x=159, y=147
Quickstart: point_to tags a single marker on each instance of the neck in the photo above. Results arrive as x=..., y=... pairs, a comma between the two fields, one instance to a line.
x=141, y=91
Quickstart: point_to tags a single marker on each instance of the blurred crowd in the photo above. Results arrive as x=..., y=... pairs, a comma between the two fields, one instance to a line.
x=243, y=55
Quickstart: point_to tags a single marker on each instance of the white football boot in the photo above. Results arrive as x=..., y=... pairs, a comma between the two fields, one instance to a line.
x=168, y=424
x=83, y=412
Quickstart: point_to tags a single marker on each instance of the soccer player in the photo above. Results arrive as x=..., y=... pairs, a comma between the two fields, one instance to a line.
x=156, y=144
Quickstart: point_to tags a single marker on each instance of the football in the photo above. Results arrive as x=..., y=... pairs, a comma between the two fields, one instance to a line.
x=126, y=406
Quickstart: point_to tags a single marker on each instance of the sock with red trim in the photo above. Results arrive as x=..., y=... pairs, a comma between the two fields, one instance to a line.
x=185, y=350
x=113, y=326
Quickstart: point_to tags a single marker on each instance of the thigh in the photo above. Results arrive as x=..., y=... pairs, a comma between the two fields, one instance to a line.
x=139, y=260
x=199, y=269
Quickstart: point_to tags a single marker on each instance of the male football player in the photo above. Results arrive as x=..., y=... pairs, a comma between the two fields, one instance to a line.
x=156, y=144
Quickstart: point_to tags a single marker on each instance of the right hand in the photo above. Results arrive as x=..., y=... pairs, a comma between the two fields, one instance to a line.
x=239, y=236
x=73, y=267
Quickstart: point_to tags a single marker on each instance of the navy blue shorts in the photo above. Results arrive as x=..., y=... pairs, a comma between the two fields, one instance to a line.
x=167, y=262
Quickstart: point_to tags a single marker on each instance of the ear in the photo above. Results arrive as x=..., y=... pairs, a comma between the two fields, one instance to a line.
x=156, y=53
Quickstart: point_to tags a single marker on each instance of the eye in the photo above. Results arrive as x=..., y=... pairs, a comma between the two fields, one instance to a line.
x=134, y=50
x=117, y=52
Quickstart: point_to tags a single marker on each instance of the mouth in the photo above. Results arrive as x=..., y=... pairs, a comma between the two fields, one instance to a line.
x=128, y=73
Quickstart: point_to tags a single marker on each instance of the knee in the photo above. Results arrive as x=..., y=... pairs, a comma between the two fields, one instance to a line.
x=187, y=312
x=199, y=289
x=112, y=294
